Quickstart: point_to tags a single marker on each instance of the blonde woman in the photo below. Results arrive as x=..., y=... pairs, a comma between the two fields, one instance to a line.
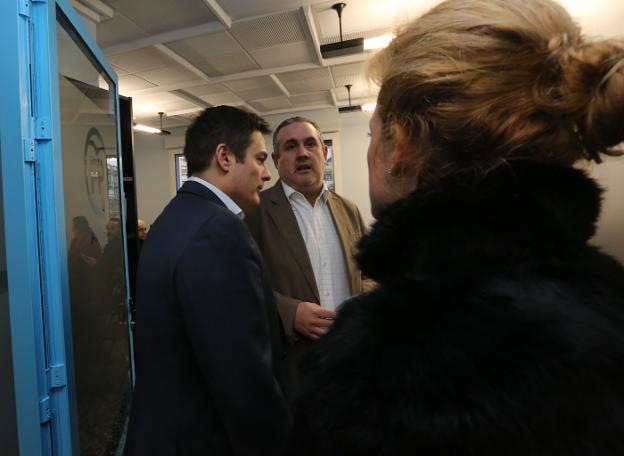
x=496, y=329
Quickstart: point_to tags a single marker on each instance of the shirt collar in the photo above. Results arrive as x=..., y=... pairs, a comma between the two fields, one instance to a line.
x=229, y=202
x=289, y=191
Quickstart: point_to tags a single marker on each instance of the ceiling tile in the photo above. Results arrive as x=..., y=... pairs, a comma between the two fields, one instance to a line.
x=268, y=31
x=319, y=98
x=144, y=59
x=283, y=55
x=120, y=71
x=207, y=89
x=188, y=117
x=263, y=92
x=168, y=75
x=154, y=120
x=205, y=46
x=271, y=104
x=255, y=88
x=162, y=16
x=246, y=8
x=348, y=73
x=227, y=98
x=315, y=80
x=249, y=83
x=227, y=64
x=117, y=29
x=129, y=83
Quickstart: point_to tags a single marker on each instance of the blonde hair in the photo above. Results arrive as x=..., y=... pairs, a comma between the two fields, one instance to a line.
x=475, y=82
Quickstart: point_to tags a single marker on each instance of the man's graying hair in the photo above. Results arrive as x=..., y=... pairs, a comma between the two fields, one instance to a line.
x=289, y=121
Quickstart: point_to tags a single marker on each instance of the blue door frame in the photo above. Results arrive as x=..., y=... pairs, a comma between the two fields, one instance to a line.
x=36, y=245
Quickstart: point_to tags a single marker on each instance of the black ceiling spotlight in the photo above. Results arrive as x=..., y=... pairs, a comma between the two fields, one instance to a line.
x=354, y=46
x=162, y=131
x=350, y=108
x=155, y=131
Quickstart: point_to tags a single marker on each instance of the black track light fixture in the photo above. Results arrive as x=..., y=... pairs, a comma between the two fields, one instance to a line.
x=343, y=47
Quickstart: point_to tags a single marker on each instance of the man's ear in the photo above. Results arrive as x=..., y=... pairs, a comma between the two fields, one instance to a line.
x=275, y=159
x=324, y=151
x=223, y=158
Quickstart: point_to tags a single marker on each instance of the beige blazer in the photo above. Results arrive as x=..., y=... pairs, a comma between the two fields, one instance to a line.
x=275, y=229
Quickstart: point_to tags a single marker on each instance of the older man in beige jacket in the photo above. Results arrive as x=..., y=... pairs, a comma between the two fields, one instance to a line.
x=307, y=234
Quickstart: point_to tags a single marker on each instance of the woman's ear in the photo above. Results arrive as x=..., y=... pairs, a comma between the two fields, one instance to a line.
x=403, y=153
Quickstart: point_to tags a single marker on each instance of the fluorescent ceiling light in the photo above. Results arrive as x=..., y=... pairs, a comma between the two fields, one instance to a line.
x=377, y=42
x=369, y=107
x=147, y=129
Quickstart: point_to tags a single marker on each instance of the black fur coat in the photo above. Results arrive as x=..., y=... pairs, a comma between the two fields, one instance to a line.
x=495, y=330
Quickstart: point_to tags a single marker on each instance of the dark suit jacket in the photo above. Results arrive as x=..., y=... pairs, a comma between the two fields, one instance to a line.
x=274, y=227
x=210, y=345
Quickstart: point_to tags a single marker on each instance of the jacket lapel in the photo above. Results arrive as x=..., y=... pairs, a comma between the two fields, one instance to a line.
x=341, y=223
x=286, y=224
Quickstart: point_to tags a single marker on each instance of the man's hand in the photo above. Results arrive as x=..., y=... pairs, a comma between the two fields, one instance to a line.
x=313, y=321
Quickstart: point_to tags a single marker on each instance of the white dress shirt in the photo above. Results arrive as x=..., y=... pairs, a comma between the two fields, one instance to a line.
x=323, y=244
x=229, y=202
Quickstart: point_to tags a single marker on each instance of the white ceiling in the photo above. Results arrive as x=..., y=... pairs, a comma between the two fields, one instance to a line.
x=180, y=56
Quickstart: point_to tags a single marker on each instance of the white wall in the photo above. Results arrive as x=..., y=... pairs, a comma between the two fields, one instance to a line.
x=153, y=172
x=610, y=233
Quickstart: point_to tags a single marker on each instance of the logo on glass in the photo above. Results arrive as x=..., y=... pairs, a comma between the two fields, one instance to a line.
x=95, y=162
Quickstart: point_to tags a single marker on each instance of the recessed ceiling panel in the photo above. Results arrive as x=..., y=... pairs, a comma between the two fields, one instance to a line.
x=207, y=89
x=269, y=31
x=271, y=104
x=315, y=80
x=250, y=83
x=245, y=8
x=205, y=46
x=227, y=98
x=120, y=71
x=144, y=59
x=254, y=88
x=148, y=107
x=320, y=98
x=226, y=64
x=129, y=83
x=168, y=75
x=349, y=73
x=117, y=29
x=188, y=118
x=283, y=55
x=157, y=16
x=168, y=121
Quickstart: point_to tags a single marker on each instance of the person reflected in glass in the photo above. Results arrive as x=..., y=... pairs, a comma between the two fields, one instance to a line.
x=496, y=328
x=141, y=233
x=84, y=248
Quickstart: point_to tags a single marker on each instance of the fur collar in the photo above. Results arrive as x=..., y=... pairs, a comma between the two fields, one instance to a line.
x=467, y=221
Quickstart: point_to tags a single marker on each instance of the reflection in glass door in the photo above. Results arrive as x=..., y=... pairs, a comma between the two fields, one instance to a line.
x=95, y=257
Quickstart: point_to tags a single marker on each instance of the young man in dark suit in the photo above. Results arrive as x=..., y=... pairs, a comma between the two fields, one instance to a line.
x=210, y=348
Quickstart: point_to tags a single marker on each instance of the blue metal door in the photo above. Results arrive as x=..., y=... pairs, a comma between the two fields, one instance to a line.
x=64, y=213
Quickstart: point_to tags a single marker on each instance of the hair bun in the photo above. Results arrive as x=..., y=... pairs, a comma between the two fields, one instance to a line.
x=594, y=75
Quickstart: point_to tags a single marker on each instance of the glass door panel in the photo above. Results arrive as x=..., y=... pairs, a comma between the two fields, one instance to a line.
x=95, y=257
